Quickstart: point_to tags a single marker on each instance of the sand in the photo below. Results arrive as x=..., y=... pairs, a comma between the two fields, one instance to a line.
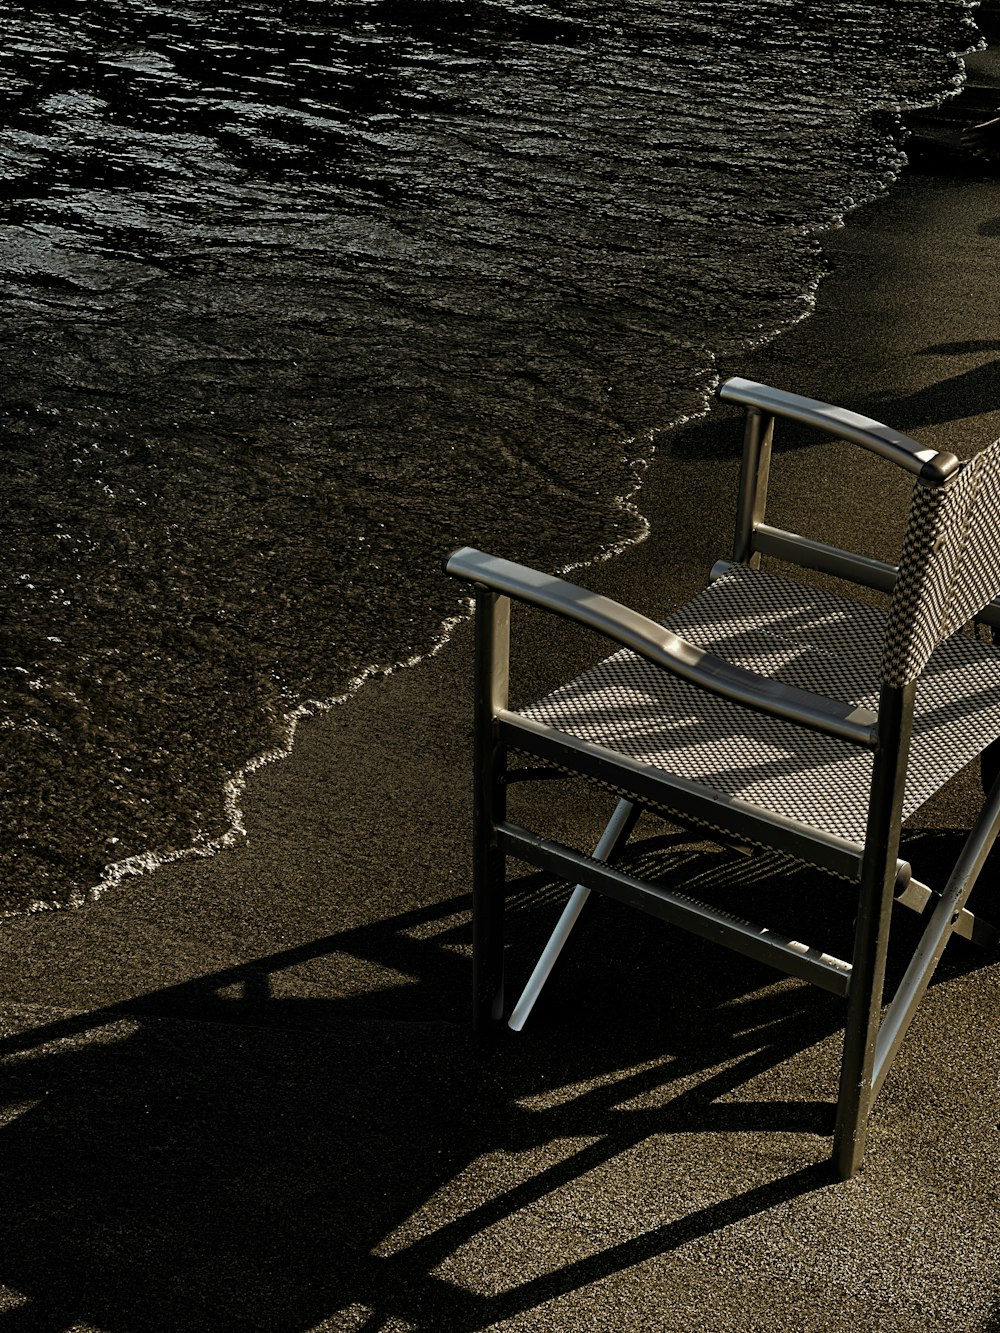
x=241, y=1092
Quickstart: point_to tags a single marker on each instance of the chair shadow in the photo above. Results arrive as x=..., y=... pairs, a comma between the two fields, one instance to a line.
x=971, y=393
x=214, y=1155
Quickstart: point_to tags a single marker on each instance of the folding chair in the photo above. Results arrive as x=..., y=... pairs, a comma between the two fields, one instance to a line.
x=769, y=713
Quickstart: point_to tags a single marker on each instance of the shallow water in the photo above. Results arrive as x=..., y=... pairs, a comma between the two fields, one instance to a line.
x=298, y=296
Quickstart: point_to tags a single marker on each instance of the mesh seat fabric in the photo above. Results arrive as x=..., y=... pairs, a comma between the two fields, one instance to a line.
x=801, y=636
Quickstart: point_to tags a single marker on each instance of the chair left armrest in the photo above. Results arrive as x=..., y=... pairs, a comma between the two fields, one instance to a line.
x=662, y=647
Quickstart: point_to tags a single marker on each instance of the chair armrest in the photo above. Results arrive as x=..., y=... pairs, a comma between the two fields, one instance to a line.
x=662, y=647
x=931, y=466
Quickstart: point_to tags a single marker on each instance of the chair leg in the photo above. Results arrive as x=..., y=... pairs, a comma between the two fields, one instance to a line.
x=871, y=1043
x=946, y=920
x=489, y=876
x=871, y=931
x=615, y=835
x=989, y=760
x=864, y=1011
x=969, y=925
x=492, y=630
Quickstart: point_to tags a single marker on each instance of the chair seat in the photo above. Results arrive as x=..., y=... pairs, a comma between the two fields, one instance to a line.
x=801, y=636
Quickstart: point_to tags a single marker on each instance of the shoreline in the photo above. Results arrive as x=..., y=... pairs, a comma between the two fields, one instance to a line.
x=203, y=845
x=165, y=840
x=149, y=771
x=276, y=1035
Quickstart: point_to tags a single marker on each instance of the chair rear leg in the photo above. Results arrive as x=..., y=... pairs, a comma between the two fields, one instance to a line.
x=946, y=919
x=614, y=837
x=870, y=1043
x=989, y=760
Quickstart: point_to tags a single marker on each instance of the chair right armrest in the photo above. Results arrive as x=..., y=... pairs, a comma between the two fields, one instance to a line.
x=932, y=466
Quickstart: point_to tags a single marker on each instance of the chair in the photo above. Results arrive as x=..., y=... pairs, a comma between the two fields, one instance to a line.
x=769, y=713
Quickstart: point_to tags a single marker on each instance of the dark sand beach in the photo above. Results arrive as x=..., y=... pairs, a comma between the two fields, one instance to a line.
x=241, y=1091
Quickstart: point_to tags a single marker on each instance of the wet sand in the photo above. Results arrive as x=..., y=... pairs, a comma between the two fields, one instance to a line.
x=241, y=1092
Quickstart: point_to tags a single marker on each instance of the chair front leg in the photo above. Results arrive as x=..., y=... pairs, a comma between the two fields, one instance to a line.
x=489, y=876
x=864, y=1012
x=871, y=933
x=489, y=808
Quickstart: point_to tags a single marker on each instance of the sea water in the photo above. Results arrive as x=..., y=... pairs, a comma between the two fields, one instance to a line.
x=299, y=294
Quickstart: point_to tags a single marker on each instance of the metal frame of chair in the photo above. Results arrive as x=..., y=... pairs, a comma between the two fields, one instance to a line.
x=948, y=574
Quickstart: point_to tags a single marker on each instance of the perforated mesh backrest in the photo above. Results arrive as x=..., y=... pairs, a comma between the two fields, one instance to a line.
x=950, y=565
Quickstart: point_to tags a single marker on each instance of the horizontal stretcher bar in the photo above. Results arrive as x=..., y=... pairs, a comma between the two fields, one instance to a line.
x=661, y=790
x=757, y=942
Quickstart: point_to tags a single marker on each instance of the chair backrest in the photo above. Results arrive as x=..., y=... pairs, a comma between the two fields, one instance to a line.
x=950, y=565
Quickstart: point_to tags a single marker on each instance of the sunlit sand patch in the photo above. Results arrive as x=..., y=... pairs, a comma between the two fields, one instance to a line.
x=335, y=975
x=11, y=1300
x=19, y=1022
x=438, y=925
x=559, y=1096
x=477, y=1186
x=14, y=1111
x=629, y=1209
x=362, y=1319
